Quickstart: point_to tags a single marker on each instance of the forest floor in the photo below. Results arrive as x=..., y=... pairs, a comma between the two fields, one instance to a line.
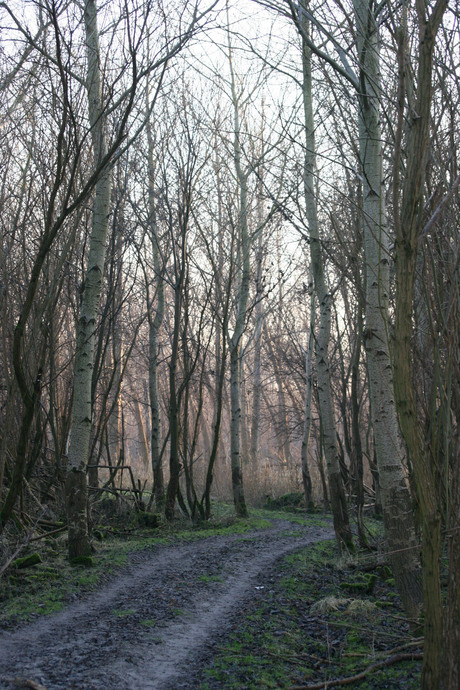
x=263, y=603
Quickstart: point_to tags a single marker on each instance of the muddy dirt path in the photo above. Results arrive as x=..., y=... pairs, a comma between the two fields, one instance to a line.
x=154, y=626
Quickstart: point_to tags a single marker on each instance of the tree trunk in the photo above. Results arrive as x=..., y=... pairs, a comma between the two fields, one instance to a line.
x=356, y=450
x=221, y=361
x=397, y=508
x=76, y=486
x=142, y=434
x=243, y=277
x=155, y=323
x=306, y=478
x=235, y=425
x=320, y=463
x=257, y=368
x=450, y=657
x=174, y=463
x=337, y=493
x=408, y=230
x=114, y=423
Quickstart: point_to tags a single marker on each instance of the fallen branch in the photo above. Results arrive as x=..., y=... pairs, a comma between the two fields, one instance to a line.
x=50, y=523
x=416, y=642
x=21, y=546
x=48, y=534
x=396, y=658
x=298, y=659
x=33, y=496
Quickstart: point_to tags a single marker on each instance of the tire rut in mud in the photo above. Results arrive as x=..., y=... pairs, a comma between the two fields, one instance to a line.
x=152, y=627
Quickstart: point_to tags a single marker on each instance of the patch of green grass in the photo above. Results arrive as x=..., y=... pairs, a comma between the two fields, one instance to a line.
x=214, y=528
x=210, y=578
x=123, y=613
x=47, y=587
x=30, y=606
x=306, y=519
x=176, y=611
x=148, y=623
x=285, y=640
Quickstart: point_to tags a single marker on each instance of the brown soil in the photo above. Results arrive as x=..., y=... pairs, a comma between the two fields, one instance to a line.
x=155, y=626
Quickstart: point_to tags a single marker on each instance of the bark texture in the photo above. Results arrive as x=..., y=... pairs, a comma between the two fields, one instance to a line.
x=76, y=485
x=155, y=322
x=306, y=477
x=336, y=489
x=243, y=277
x=408, y=230
x=396, y=501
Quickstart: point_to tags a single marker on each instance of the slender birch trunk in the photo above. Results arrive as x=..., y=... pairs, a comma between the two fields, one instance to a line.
x=257, y=387
x=155, y=323
x=257, y=369
x=222, y=310
x=142, y=433
x=336, y=489
x=244, y=433
x=396, y=501
x=76, y=484
x=306, y=477
x=257, y=381
x=235, y=345
x=114, y=423
x=174, y=463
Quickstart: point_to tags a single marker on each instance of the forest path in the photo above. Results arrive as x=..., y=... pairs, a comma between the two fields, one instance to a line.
x=154, y=625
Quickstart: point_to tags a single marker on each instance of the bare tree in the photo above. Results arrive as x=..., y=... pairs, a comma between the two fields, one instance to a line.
x=409, y=224
x=323, y=295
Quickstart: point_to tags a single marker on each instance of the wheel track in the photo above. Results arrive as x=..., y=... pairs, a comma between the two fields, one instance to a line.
x=91, y=645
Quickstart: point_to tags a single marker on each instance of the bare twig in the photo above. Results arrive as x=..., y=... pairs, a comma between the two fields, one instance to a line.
x=23, y=545
x=323, y=685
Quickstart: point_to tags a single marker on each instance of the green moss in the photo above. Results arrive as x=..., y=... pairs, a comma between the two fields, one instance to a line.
x=85, y=561
x=298, y=518
x=362, y=585
x=385, y=572
x=383, y=604
x=87, y=578
x=27, y=561
x=236, y=526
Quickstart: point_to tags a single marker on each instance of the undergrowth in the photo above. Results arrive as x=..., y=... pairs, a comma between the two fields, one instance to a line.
x=303, y=627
